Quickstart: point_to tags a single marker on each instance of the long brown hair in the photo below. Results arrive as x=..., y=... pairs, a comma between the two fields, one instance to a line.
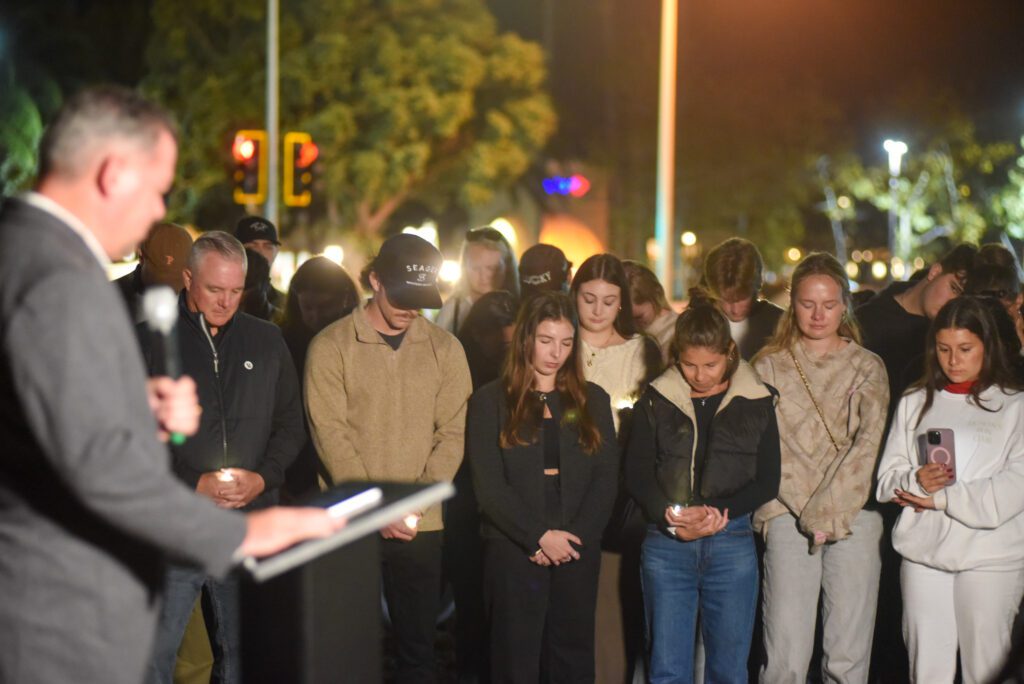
x=608, y=268
x=966, y=313
x=787, y=332
x=525, y=408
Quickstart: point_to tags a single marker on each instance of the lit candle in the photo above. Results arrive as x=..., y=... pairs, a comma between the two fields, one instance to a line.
x=224, y=475
x=626, y=402
x=411, y=521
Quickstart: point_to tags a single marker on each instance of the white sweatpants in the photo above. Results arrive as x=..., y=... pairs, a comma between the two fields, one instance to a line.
x=972, y=609
x=845, y=576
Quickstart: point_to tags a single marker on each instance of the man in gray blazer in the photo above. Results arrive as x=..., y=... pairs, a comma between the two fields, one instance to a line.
x=88, y=505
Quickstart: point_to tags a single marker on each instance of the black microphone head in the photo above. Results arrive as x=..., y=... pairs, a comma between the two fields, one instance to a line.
x=160, y=306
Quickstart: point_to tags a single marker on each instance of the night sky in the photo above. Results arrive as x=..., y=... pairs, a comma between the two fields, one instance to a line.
x=858, y=53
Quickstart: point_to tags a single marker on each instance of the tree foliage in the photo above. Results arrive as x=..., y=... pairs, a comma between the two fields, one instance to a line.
x=48, y=49
x=406, y=99
x=949, y=183
x=748, y=168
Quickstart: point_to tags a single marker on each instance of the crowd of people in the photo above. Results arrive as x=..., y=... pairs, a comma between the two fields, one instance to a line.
x=734, y=492
x=643, y=493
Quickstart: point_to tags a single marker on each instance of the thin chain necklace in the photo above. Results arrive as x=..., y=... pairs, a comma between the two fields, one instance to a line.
x=594, y=349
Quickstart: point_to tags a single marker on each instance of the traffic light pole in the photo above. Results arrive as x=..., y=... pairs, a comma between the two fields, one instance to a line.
x=273, y=143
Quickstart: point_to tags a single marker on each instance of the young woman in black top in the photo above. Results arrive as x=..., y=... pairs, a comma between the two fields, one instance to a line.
x=703, y=454
x=542, y=448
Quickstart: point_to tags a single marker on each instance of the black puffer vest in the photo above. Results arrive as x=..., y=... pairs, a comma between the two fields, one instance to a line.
x=731, y=458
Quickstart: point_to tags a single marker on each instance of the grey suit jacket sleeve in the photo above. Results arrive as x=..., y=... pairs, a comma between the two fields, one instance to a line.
x=79, y=376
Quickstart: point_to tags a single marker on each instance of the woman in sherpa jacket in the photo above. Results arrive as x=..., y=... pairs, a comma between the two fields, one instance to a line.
x=702, y=456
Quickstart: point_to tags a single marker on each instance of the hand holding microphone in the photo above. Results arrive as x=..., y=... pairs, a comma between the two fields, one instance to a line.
x=172, y=399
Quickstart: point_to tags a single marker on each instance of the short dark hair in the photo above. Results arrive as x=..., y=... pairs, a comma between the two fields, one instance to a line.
x=960, y=260
x=94, y=115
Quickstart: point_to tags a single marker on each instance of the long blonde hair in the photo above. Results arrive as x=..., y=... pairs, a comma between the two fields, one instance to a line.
x=787, y=332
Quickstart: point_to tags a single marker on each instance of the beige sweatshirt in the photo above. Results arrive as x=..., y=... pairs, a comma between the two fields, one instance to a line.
x=376, y=413
x=825, y=489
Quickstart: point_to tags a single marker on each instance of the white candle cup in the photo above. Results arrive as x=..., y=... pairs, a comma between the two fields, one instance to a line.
x=224, y=475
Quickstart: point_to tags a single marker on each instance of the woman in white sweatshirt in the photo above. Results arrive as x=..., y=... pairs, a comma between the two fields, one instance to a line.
x=961, y=532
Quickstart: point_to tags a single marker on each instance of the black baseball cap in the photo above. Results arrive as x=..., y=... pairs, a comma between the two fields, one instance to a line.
x=251, y=228
x=407, y=266
x=544, y=267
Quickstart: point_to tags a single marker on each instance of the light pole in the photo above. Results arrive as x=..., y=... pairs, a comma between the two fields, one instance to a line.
x=665, y=205
x=270, y=208
x=896, y=149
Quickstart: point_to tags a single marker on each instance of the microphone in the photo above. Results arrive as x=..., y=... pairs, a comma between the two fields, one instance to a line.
x=160, y=307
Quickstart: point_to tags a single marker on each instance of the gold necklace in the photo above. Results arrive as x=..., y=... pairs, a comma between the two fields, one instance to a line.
x=594, y=349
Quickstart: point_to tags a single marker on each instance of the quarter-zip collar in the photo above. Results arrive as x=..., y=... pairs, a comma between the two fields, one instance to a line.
x=366, y=333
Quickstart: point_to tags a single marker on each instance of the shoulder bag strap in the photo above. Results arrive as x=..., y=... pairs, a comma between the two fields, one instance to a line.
x=817, y=408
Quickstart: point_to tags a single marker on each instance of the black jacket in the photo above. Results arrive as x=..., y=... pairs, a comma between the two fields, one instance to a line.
x=509, y=483
x=249, y=392
x=764, y=316
x=131, y=288
x=741, y=468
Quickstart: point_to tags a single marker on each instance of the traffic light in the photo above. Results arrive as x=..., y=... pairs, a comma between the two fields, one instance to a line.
x=299, y=154
x=250, y=177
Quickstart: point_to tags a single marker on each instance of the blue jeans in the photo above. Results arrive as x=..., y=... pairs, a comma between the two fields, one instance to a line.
x=182, y=587
x=716, y=576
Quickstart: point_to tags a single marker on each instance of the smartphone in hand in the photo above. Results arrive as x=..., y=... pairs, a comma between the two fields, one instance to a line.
x=938, y=447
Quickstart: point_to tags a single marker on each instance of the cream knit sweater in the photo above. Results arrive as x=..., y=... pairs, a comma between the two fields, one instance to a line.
x=825, y=489
x=619, y=370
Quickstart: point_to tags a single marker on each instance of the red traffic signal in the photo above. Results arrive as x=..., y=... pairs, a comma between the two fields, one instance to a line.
x=243, y=148
x=308, y=152
x=300, y=153
x=250, y=174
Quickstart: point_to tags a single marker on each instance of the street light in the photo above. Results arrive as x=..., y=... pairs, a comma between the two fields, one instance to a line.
x=895, y=149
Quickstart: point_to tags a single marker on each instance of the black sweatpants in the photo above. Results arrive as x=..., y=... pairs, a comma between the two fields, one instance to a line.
x=542, y=618
x=411, y=577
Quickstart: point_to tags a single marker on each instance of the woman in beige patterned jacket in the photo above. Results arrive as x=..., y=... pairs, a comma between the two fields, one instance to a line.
x=820, y=543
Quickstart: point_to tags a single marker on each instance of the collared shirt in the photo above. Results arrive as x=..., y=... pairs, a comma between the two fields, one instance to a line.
x=44, y=203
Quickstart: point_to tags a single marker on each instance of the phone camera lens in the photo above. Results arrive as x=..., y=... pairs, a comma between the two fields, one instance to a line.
x=934, y=437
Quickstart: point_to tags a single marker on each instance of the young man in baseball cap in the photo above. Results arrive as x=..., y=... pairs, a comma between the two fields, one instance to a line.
x=161, y=260
x=386, y=395
x=260, y=235
x=543, y=267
